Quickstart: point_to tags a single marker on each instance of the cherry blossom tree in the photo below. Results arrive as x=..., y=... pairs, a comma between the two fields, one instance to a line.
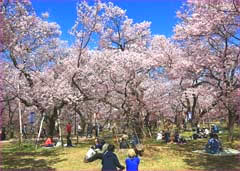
x=209, y=34
x=119, y=32
x=109, y=27
x=110, y=68
x=32, y=47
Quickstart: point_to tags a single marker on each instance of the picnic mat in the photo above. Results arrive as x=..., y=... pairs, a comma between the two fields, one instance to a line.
x=225, y=152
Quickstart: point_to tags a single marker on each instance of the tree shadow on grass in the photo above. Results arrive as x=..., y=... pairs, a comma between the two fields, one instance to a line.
x=28, y=159
x=205, y=161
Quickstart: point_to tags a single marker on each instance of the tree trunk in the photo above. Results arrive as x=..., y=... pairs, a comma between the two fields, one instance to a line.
x=231, y=120
x=51, y=127
x=51, y=124
x=136, y=125
x=11, y=127
x=83, y=120
x=20, y=120
x=60, y=130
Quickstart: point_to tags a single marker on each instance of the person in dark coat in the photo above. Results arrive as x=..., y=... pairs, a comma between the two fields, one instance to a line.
x=110, y=160
x=123, y=144
x=135, y=141
x=24, y=131
x=89, y=130
x=167, y=136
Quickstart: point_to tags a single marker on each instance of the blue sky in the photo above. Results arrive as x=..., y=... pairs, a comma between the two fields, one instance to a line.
x=162, y=13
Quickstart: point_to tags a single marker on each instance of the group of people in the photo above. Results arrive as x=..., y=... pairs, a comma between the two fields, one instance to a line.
x=200, y=133
x=50, y=143
x=126, y=142
x=93, y=128
x=105, y=152
x=204, y=132
x=213, y=145
x=166, y=136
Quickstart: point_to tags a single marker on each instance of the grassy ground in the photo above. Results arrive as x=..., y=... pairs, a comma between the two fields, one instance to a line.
x=157, y=156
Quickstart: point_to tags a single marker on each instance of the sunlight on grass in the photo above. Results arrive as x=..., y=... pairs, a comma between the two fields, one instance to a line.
x=157, y=155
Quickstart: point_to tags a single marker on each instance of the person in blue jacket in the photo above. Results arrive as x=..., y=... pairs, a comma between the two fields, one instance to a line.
x=213, y=146
x=132, y=162
x=110, y=160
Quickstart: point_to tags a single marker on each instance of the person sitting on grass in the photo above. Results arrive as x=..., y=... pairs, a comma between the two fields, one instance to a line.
x=98, y=144
x=213, y=146
x=159, y=136
x=197, y=135
x=167, y=136
x=58, y=143
x=178, y=139
x=132, y=161
x=123, y=143
x=206, y=132
x=214, y=129
x=95, y=153
x=139, y=149
x=135, y=140
x=220, y=144
x=110, y=160
x=49, y=142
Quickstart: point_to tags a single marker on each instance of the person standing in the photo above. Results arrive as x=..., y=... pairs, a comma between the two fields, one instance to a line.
x=96, y=129
x=110, y=160
x=89, y=130
x=24, y=131
x=69, y=129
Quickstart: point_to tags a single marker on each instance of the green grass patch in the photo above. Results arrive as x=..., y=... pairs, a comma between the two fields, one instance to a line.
x=157, y=156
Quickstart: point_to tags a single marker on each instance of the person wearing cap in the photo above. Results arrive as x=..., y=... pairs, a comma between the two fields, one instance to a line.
x=132, y=162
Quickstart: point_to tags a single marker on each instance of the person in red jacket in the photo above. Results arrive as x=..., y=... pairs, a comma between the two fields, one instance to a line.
x=69, y=129
x=48, y=142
